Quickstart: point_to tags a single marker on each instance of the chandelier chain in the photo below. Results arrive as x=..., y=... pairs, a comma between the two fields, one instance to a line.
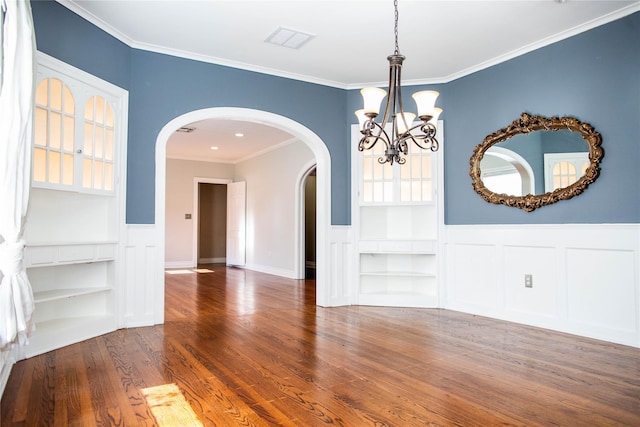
x=395, y=30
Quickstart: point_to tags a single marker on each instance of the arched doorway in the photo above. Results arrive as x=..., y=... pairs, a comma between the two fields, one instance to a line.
x=323, y=180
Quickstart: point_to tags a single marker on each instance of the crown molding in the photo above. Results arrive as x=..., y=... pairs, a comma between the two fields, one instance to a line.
x=620, y=13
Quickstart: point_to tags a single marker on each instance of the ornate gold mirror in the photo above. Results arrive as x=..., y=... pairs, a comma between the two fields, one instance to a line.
x=536, y=161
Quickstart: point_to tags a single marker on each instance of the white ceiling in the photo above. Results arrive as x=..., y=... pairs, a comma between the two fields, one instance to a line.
x=442, y=40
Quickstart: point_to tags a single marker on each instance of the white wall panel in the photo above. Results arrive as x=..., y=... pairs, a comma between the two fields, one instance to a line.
x=585, y=277
x=341, y=265
x=144, y=295
x=600, y=288
x=541, y=299
x=472, y=281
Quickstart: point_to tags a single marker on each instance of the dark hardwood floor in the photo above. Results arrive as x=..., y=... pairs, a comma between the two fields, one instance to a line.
x=250, y=349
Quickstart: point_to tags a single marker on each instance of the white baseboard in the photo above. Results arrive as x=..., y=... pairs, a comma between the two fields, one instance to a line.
x=178, y=264
x=289, y=274
x=219, y=260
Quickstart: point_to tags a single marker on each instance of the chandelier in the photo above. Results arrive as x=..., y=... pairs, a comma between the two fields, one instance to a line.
x=402, y=129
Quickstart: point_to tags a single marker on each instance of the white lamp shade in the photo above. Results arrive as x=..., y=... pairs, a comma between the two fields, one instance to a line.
x=408, y=119
x=361, y=118
x=372, y=97
x=436, y=114
x=425, y=101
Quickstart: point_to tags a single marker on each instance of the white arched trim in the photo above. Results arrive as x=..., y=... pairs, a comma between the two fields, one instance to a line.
x=323, y=171
x=520, y=163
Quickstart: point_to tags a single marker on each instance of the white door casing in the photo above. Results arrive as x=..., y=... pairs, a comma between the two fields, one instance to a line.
x=236, y=223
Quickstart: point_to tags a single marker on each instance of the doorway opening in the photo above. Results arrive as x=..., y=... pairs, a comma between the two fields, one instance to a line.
x=308, y=252
x=323, y=186
x=211, y=224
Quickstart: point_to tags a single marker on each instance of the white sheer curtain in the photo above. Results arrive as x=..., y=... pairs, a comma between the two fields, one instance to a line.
x=17, y=80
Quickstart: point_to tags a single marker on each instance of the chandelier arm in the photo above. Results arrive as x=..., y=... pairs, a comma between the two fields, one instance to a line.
x=370, y=139
x=428, y=134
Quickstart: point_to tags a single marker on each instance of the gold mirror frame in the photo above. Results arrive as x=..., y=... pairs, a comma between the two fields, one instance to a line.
x=527, y=124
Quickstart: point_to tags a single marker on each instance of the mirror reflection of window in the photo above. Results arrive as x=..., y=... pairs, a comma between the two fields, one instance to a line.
x=563, y=169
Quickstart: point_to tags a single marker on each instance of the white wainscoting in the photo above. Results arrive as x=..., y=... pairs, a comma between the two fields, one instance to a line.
x=143, y=302
x=585, y=277
x=341, y=266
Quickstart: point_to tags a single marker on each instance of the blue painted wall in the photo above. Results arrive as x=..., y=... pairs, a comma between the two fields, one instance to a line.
x=66, y=36
x=594, y=76
x=162, y=87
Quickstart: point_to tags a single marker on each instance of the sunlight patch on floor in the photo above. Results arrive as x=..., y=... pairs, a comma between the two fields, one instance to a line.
x=203, y=270
x=169, y=406
x=178, y=271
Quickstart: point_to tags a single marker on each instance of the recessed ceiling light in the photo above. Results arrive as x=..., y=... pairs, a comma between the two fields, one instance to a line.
x=239, y=134
x=214, y=148
x=289, y=38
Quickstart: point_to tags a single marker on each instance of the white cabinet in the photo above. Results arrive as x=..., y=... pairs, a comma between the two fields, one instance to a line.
x=76, y=207
x=397, y=217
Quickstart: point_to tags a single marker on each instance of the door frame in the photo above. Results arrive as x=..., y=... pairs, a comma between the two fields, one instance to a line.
x=196, y=211
x=300, y=238
x=323, y=195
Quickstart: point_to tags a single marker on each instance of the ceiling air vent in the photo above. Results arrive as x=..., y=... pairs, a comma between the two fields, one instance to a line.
x=185, y=129
x=289, y=38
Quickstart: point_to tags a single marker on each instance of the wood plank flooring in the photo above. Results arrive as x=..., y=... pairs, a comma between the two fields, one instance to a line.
x=250, y=349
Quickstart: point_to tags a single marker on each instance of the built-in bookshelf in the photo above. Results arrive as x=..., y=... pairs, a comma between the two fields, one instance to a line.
x=397, y=220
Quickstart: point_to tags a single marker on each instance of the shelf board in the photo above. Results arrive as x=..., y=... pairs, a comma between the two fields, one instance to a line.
x=388, y=273
x=72, y=243
x=61, y=332
x=58, y=294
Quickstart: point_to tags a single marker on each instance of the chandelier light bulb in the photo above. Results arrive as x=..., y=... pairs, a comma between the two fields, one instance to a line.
x=436, y=113
x=404, y=122
x=425, y=100
x=362, y=118
x=372, y=97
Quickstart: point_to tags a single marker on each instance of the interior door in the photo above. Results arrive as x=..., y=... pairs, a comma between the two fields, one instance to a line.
x=236, y=224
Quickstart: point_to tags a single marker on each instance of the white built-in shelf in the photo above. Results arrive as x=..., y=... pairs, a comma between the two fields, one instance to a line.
x=58, y=294
x=387, y=273
x=397, y=246
x=50, y=254
x=52, y=334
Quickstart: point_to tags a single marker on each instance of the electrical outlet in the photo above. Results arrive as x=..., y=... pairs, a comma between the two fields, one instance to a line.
x=528, y=280
x=187, y=216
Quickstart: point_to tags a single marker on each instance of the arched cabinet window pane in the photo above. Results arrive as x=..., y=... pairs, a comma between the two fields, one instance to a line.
x=54, y=133
x=97, y=171
x=73, y=148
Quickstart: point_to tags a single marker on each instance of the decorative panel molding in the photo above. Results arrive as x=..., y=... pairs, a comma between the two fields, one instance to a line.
x=341, y=262
x=584, y=277
x=143, y=259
